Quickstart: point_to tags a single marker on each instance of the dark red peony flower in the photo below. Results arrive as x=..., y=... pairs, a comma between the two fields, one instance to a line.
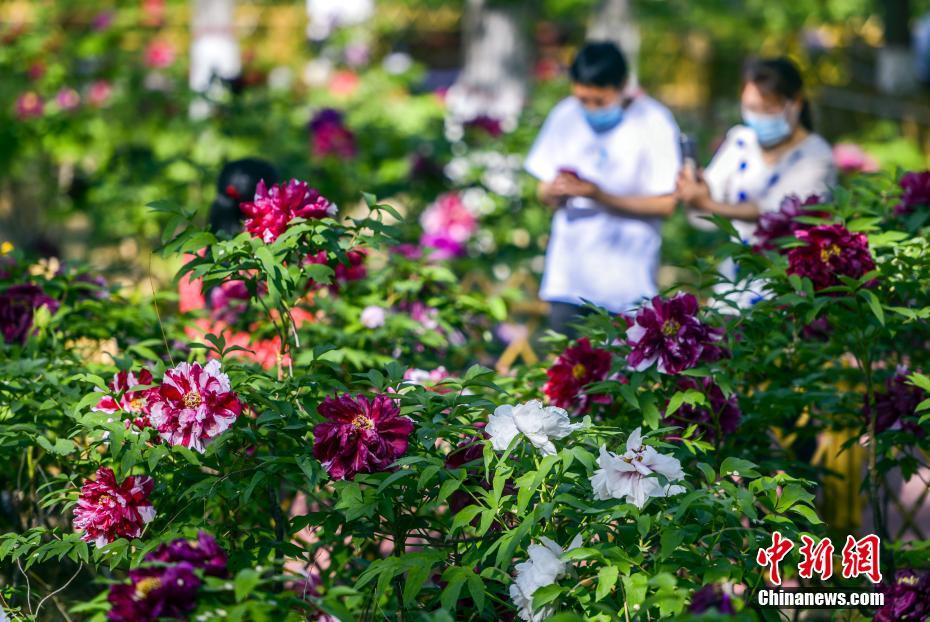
x=203, y=553
x=577, y=367
x=106, y=510
x=489, y=125
x=896, y=406
x=17, y=309
x=155, y=593
x=272, y=209
x=668, y=332
x=915, y=193
x=908, y=598
x=134, y=403
x=193, y=405
x=721, y=414
x=360, y=435
x=330, y=136
x=783, y=223
x=830, y=251
x=711, y=597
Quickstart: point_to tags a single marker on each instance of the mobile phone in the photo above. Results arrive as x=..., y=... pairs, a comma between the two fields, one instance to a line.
x=568, y=171
x=688, y=151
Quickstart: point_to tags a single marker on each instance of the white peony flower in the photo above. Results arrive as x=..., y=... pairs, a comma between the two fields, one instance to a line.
x=631, y=475
x=539, y=424
x=373, y=316
x=544, y=567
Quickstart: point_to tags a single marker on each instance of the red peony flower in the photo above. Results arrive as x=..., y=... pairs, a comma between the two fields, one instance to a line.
x=915, y=188
x=272, y=209
x=830, y=251
x=489, y=125
x=155, y=593
x=106, y=510
x=668, y=332
x=783, y=223
x=722, y=414
x=18, y=305
x=135, y=403
x=360, y=435
x=159, y=54
x=577, y=367
x=193, y=405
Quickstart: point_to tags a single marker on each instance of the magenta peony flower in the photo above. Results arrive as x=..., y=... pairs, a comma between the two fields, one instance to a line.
x=722, y=415
x=360, y=435
x=896, y=406
x=229, y=301
x=577, y=367
x=99, y=92
x=711, y=597
x=668, y=332
x=29, y=106
x=330, y=136
x=17, y=309
x=193, y=405
x=915, y=193
x=908, y=598
x=103, y=20
x=830, y=251
x=447, y=225
x=272, y=209
x=155, y=593
x=67, y=99
x=159, y=54
x=203, y=553
x=106, y=510
x=134, y=403
x=782, y=224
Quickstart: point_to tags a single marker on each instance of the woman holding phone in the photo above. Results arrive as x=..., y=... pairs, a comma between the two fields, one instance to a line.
x=607, y=162
x=773, y=155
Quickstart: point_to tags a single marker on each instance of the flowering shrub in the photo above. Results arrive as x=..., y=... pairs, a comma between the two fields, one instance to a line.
x=370, y=465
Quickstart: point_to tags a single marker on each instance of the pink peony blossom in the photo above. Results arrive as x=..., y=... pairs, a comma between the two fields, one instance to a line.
x=272, y=209
x=99, y=93
x=106, y=510
x=851, y=158
x=447, y=224
x=159, y=54
x=194, y=405
x=67, y=99
x=29, y=106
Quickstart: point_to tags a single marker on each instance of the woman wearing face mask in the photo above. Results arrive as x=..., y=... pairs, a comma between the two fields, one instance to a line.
x=773, y=155
x=607, y=163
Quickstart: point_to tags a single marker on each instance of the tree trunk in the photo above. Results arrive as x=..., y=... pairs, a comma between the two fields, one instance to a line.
x=495, y=75
x=214, y=48
x=895, y=67
x=613, y=21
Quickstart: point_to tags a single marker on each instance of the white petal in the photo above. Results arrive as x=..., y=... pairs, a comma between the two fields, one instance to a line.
x=635, y=441
x=501, y=428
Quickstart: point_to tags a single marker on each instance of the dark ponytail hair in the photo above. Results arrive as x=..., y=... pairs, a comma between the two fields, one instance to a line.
x=780, y=77
x=236, y=183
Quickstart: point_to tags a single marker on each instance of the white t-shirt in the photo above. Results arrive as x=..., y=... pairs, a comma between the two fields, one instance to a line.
x=595, y=254
x=738, y=173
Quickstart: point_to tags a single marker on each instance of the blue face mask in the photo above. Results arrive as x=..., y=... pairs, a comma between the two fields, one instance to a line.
x=770, y=129
x=604, y=119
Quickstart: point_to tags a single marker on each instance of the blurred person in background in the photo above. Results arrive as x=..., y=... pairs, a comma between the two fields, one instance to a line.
x=606, y=161
x=772, y=155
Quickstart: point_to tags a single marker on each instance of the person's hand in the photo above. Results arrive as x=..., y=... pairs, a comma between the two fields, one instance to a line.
x=573, y=186
x=690, y=189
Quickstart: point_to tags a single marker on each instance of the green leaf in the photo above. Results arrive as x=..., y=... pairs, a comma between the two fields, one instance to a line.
x=875, y=305
x=245, y=583
x=606, y=580
x=634, y=586
x=738, y=466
